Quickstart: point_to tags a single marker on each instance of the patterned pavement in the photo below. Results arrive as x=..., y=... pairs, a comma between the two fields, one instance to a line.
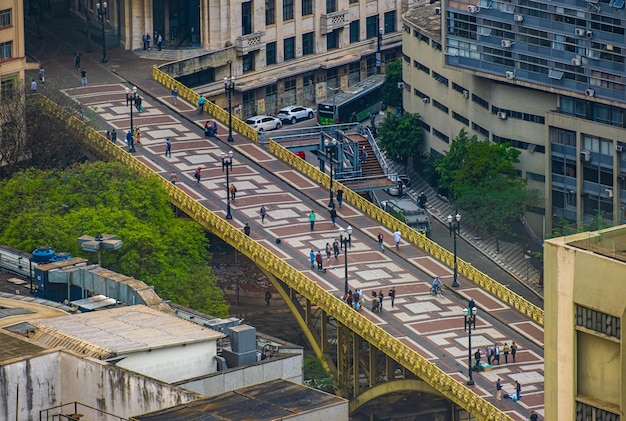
x=433, y=326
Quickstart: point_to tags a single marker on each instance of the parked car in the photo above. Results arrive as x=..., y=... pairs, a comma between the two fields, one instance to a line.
x=264, y=122
x=293, y=113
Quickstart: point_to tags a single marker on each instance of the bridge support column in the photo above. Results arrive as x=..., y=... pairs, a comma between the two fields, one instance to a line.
x=307, y=312
x=324, y=333
x=390, y=369
x=371, y=378
x=356, y=363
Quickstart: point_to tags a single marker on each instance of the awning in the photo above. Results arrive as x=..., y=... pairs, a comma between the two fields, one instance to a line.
x=329, y=64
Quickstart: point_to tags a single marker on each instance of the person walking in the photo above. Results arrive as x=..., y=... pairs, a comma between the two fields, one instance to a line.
x=488, y=354
x=268, y=296
x=77, y=61
x=42, y=74
x=477, y=357
x=173, y=177
x=138, y=135
x=113, y=136
x=175, y=94
x=312, y=220
x=340, y=197
x=496, y=354
x=129, y=138
x=148, y=41
x=320, y=261
x=329, y=250
x=33, y=86
x=246, y=229
x=513, y=350
x=534, y=416
x=160, y=41
x=263, y=213
x=83, y=77
x=145, y=42
x=168, y=147
x=397, y=236
x=312, y=258
x=505, y=350
x=381, y=244
x=198, y=175
x=518, y=390
x=333, y=215
x=201, y=102
x=380, y=300
x=392, y=295
x=233, y=192
x=498, y=390
x=336, y=248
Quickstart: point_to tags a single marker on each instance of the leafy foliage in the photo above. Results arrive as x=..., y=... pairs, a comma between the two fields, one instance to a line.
x=392, y=95
x=400, y=136
x=55, y=207
x=316, y=376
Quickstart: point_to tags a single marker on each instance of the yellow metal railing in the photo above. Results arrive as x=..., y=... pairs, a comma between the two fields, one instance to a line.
x=190, y=95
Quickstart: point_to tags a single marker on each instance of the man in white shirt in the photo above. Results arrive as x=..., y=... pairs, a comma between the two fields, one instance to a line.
x=397, y=236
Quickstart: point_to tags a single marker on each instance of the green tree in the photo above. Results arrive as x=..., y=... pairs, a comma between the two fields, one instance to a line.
x=55, y=207
x=400, y=136
x=316, y=376
x=392, y=95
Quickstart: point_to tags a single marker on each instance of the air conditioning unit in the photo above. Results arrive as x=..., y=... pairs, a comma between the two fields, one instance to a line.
x=589, y=33
x=426, y=100
x=400, y=85
x=576, y=61
x=465, y=94
x=619, y=148
x=506, y=43
x=472, y=9
x=437, y=10
x=502, y=115
x=590, y=92
x=580, y=32
x=518, y=18
x=585, y=155
x=509, y=75
x=608, y=193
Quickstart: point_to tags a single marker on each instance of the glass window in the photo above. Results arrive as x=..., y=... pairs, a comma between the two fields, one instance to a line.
x=6, y=50
x=5, y=18
x=290, y=48
x=307, y=44
x=246, y=18
x=248, y=62
x=270, y=12
x=287, y=9
x=331, y=6
x=6, y=89
x=307, y=7
x=332, y=40
x=270, y=53
x=355, y=30
x=371, y=27
x=390, y=22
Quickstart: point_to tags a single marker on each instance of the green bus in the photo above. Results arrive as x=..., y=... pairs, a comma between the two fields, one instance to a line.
x=356, y=103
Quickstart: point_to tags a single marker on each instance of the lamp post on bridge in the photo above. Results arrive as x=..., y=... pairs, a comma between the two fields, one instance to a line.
x=102, y=241
x=102, y=12
x=330, y=146
x=454, y=224
x=130, y=101
x=470, y=324
x=229, y=87
x=227, y=163
x=345, y=241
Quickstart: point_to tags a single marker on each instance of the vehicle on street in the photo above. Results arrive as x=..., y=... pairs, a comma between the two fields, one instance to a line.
x=405, y=180
x=293, y=113
x=408, y=212
x=355, y=103
x=264, y=122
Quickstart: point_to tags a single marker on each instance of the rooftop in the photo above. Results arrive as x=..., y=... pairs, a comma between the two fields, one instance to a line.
x=426, y=19
x=273, y=400
x=123, y=330
x=610, y=243
x=15, y=347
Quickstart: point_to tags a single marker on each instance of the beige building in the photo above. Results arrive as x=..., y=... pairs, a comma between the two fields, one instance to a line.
x=585, y=358
x=12, y=54
x=477, y=73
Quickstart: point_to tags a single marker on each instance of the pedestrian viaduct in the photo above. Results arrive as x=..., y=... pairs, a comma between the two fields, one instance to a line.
x=424, y=351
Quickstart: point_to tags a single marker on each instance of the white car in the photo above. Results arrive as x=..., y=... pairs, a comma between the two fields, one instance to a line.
x=293, y=113
x=264, y=122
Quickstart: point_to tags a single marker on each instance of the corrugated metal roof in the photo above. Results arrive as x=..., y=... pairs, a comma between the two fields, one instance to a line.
x=53, y=338
x=125, y=329
x=15, y=347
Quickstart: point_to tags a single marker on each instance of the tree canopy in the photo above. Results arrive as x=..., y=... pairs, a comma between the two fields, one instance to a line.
x=400, y=135
x=392, y=95
x=55, y=207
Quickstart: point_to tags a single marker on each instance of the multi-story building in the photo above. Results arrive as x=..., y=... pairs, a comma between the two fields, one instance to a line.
x=546, y=77
x=280, y=52
x=584, y=306
x=12, y=54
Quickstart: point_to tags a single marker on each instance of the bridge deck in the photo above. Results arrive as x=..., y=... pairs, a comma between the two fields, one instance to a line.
x=432, y=326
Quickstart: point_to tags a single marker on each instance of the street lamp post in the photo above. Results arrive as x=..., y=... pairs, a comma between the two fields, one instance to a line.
x=527, y=257
x=102, y=12
x=130, y=101
x=227, y=163
x=229, y=87
x=470, y=324
x=331, y=148
x=102, y=241
x=454, y=224
x=345, y=241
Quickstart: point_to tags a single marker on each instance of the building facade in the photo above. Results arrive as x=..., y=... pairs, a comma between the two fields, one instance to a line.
x=545, y=77
x=12, y=47
x=585, y=358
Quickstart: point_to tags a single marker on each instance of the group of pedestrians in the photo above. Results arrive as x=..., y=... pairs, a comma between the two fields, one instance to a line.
x=493, y=354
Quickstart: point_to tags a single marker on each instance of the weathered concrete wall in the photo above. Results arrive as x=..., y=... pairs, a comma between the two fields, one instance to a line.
x=213, y=59
x=287, y=367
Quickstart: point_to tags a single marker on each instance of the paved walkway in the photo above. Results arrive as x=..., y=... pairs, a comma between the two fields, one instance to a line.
x=430, y=325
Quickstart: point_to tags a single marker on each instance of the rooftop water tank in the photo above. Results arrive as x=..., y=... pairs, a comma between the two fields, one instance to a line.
x=43, y=254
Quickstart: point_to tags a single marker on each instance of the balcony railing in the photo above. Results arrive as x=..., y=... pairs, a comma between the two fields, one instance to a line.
x=251, y=42
x=334, y=20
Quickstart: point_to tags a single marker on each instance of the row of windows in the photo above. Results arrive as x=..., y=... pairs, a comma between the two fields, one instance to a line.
x=441, y=136
x=519, y=115
x=421, y=67
x=440, y=106
x=480, y=130
x=601, y=113
x=598, y=321
x=519, y=144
